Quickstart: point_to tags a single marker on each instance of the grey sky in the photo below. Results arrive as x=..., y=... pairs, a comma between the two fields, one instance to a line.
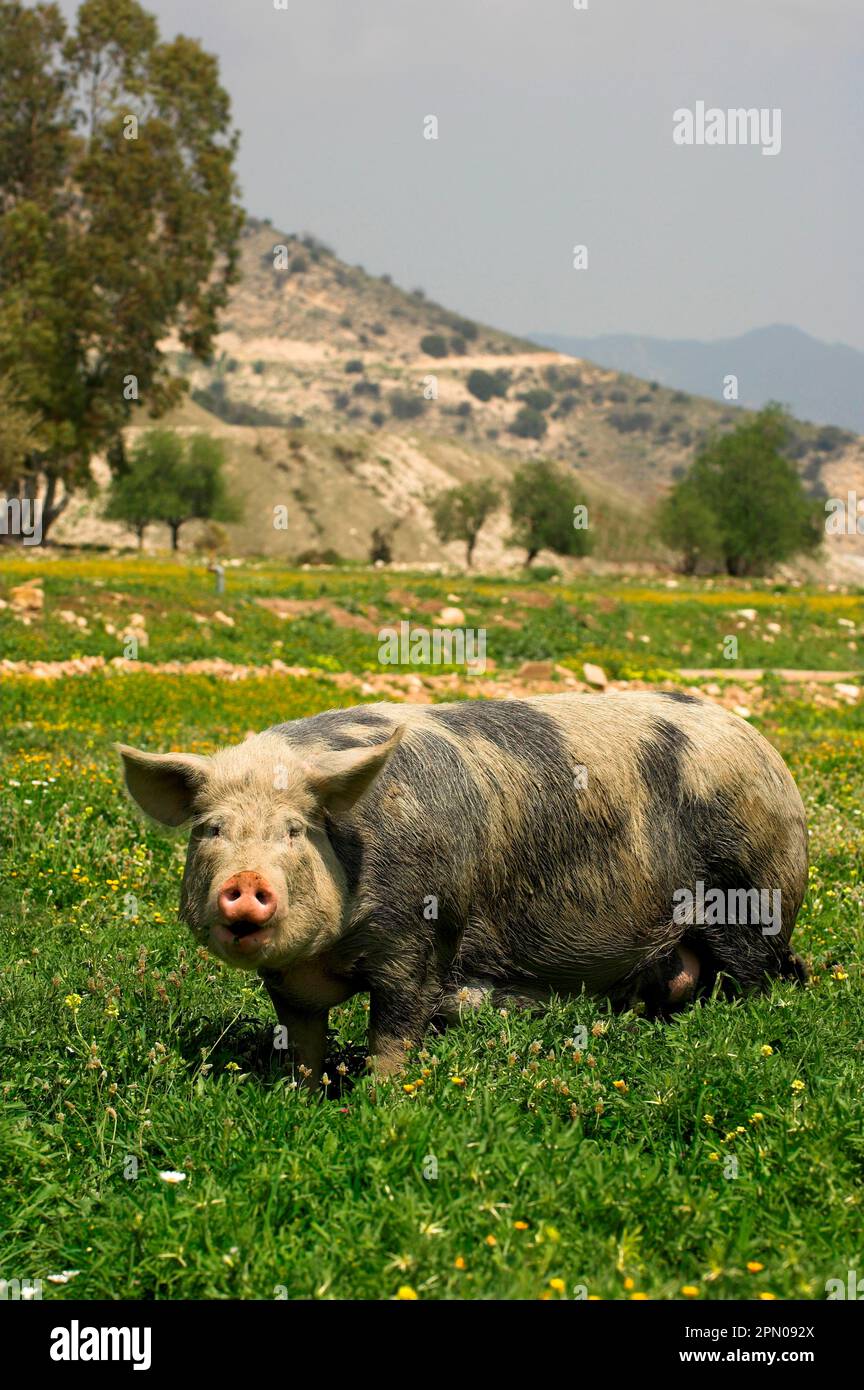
x=555, y=127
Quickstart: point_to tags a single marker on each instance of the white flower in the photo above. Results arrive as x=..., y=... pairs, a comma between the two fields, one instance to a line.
x=64, y=1277
x=171, y=1176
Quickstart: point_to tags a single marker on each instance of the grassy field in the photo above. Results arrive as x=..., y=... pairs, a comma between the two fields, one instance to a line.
x=630, y=627
x=720, y=1156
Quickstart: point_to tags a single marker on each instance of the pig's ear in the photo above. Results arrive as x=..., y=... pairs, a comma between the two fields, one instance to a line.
x=163, y=784
x=338, y=779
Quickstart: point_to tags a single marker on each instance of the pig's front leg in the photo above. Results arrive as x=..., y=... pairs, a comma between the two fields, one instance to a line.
x=400, y=1011
x=306, y=1034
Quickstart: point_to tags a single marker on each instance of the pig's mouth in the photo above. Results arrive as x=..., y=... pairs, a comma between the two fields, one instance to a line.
x=241, y=940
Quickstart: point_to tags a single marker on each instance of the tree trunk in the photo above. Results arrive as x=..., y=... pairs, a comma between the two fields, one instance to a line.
x=469, y=550
x=175, y=533
x=51, y=508
x=44, y=511
x=532, y=555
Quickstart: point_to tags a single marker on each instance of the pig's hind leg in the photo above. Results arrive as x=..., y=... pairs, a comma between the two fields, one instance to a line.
x=467, y=996
x=669, y=983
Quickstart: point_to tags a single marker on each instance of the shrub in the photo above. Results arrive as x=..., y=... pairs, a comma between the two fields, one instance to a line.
x=543, y=573
x=485, y=385
x=463, y=328
x=434, y=345
x=381, y=546
x=630, y=421
x=405, y=406
x=320, y=557
x=570, y=381
x=315, y=246
x=831, y=438
x=537, y=398
x=215, y=399
x=529, y=424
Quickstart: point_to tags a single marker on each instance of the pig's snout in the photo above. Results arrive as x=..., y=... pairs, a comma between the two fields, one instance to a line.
x=246, y=902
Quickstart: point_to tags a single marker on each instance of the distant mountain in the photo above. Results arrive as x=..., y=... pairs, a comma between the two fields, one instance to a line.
x=822, y=382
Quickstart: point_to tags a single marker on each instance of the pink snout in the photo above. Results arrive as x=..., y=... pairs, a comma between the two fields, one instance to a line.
x=246, y=902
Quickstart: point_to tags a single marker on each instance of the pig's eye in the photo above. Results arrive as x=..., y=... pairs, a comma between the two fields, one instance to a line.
x=213, y=831
x=292, y=832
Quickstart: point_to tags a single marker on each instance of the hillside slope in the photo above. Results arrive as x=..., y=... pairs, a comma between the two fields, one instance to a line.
x=336, y=408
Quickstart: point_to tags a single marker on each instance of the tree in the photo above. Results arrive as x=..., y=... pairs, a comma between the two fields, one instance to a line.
x=19, y=434
x=196, y=490
x=744, y=499
x=118, y=224
x=134, y=495
x=687, y=524
x=546, y=507
x=459, y=513
x=172, y=480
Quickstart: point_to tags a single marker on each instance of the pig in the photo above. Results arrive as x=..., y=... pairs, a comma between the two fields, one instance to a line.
x=439, y=856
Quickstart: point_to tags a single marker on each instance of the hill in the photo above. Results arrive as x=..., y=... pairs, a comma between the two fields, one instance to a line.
x=347, y=401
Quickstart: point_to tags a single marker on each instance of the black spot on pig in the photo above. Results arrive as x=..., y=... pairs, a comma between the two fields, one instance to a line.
x=565, y=849
x=680, y=696
x=338, y=729
x=513, y=726
x=347, y=842
x=420, y=833
x=660, y=763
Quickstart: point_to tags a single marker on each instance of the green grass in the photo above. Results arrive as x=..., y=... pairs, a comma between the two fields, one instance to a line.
x=628, y=627
x=124, y=1048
